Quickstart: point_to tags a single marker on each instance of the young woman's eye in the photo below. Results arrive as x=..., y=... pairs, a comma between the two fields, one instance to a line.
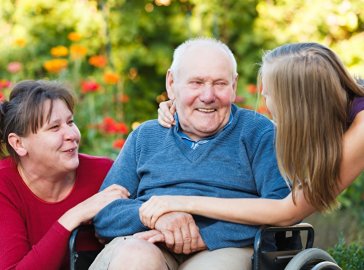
x=71, y=122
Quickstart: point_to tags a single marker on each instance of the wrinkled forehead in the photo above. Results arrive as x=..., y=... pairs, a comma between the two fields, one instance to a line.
x=203, y=61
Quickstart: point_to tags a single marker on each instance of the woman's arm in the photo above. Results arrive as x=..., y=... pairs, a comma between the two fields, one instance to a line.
x=248, y=211
x=352, y=163
x=48, y=253
x=262, y=211
x=86, y=210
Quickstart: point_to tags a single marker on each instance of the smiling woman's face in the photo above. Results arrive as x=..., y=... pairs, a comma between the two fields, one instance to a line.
x=55, y=145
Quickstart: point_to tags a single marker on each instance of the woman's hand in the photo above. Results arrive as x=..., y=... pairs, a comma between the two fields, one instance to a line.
x=157, y=206
x=165, y=113
x=86, y=210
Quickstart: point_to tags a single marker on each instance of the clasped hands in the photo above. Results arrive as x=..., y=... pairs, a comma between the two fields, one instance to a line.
x=177, y=230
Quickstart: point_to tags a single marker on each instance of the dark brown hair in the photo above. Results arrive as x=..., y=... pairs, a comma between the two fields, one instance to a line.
x=24, y=112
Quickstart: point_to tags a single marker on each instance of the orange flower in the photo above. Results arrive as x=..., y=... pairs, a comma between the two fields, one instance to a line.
x=111, y=78
x=73, y=36
x=119, y=143
x=59, y=51
x=20, y=42
x=98, y=61
x=252, y=88
x=123, y=98
x=55, y=65
x=78, y=51
x=263, y=109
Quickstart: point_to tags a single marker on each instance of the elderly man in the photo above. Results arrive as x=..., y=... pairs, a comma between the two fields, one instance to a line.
x=215, y=149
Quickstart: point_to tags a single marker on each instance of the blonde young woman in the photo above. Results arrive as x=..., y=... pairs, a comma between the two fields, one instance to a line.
x=318, y=109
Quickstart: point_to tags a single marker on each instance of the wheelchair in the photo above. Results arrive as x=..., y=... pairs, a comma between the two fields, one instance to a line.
x=275, y=248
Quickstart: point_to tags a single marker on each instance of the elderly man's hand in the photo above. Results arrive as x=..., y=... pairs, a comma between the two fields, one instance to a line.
x=181, y=235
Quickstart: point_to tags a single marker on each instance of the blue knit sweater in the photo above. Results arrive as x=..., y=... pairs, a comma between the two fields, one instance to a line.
x=239, y=162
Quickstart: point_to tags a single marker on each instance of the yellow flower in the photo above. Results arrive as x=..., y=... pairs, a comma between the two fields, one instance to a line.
x=59, y=51
x=55, y=65
x=78, y=51
x=111, y=78
x=73, y=36
x=20, y=42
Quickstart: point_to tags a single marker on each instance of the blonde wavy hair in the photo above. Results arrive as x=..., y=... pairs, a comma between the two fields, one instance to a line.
x=312, y=93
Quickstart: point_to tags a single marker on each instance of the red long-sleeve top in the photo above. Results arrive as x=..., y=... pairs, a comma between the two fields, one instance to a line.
x=30, y=235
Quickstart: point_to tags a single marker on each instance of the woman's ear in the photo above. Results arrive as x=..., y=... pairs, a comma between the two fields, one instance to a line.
x=16, y=143
x=169, y=85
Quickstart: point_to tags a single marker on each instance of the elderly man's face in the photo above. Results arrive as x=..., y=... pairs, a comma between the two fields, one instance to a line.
x=204, y=89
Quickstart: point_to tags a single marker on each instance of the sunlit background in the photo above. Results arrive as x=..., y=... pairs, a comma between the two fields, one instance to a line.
x=115, y=53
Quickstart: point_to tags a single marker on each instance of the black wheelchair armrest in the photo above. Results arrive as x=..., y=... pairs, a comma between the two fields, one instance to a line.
x=79, y=258
x=274, y=247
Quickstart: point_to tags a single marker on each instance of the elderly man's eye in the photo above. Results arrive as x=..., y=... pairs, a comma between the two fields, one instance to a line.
x=221, y=83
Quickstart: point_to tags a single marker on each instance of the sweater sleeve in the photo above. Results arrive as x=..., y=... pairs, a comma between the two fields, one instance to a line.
x=15, y=249
x=269, y=182
x=121, y=217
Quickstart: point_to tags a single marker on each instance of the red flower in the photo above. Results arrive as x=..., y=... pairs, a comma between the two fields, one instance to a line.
x=119, y=143
x=4, y=84
x=111, y=126
x=121, y=128
x=89, y=86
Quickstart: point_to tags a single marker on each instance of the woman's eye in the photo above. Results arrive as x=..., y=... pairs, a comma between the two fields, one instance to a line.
x=54, y=127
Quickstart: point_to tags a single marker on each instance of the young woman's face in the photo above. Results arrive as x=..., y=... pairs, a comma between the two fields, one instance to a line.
x=266, y=92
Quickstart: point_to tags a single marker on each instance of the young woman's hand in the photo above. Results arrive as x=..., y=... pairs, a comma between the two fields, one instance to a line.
x=165, y=113
x=86, y=210
x=157, y=206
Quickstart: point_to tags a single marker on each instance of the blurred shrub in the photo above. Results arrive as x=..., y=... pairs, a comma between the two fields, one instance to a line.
x=348, y=256
x=115, y=53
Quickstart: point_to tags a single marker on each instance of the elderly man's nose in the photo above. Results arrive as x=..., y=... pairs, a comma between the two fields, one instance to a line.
x=207, y=94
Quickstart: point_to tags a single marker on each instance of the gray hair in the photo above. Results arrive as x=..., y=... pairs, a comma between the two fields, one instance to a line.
x=210, y=42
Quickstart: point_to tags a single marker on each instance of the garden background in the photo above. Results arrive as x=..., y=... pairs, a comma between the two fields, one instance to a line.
x=115, y=53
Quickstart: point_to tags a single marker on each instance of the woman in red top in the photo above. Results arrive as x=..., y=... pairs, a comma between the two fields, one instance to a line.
x=47, y=188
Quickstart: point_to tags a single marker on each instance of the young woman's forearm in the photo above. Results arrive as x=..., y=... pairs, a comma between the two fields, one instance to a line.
x=258, y=211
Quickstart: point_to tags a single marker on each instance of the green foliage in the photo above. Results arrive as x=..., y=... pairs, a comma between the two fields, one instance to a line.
x=348, y=256
x=353, y=198
x=138, y=39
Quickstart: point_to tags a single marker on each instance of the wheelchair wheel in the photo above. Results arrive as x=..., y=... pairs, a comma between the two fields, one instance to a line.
x=310, y=259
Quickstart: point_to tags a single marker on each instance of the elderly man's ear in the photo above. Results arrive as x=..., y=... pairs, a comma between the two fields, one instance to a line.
x=169, y=85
